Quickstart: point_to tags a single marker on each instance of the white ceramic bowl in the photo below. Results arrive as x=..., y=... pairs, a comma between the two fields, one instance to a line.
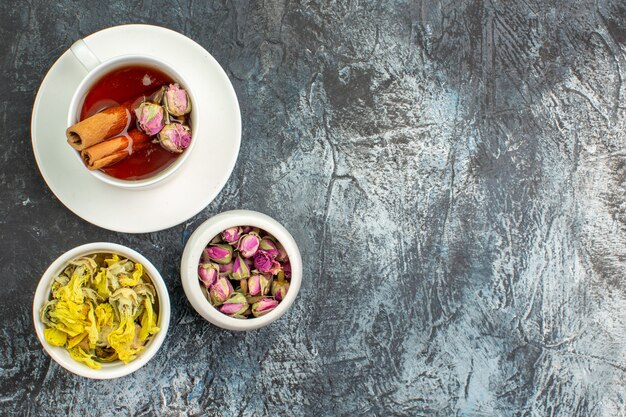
x=199, y=240
x=129, y=60
x=114, y=369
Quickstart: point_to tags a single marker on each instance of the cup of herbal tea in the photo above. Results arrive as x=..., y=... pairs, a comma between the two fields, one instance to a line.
x=132, y=120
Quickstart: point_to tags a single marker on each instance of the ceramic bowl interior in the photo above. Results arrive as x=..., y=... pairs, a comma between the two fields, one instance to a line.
x=120, y=62
x=108, y=370
x=199, y=240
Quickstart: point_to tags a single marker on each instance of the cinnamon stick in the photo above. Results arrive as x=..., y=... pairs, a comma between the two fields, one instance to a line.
x=105, y=124
x=114, y=150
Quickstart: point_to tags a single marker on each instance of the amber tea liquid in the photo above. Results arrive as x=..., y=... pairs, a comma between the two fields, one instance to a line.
x=114, y=88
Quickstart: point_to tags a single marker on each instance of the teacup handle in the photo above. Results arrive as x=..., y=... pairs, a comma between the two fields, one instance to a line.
x=84, y=55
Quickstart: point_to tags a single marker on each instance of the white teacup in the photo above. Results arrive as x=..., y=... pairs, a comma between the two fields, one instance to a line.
x=96, y=69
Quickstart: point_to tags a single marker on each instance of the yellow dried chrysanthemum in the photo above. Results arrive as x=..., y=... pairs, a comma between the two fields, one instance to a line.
x=148, y=321
x=55, y=337
x=104, y=315
x=101, y=308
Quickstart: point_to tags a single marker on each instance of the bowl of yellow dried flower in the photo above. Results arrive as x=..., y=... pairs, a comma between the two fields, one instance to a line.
x=101, y=310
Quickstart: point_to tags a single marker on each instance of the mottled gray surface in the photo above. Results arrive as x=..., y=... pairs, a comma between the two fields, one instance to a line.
x=455, y=176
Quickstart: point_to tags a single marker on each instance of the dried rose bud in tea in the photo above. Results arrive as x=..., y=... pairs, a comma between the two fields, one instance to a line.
x=252, y=261
x=176, y=101
x=175, y=137
x=150, y=117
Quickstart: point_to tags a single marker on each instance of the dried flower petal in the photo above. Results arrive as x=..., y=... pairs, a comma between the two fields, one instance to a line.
x=55, y=337
x=79, y=355
x=148, y=321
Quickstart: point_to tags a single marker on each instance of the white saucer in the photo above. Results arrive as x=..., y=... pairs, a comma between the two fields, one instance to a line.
x=174, y=200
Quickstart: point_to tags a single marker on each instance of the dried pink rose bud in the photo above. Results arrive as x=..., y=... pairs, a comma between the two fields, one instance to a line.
x=235, y=306
x=268, y=246
x=240, y=269
x=249, y=245
x=220, y=291
x=282, y=253
x=150, y=118
x=279, y=289
x=226, y=269
x=176, y=100
x=265, y=284
x=246, y=229
x=254, y=284
x=175, y=137
x=232, y=235
x=263, y=262
x=286, y=267
x=263, y=306
x=220, y=253
x=207, y=273
x=276, y=267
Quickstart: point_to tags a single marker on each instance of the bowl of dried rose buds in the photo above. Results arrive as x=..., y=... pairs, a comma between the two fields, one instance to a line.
x=241, y=270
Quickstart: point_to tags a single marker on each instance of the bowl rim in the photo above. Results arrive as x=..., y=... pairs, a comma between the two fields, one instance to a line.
x=114, y=63
x=116, y=369
x=201, y=237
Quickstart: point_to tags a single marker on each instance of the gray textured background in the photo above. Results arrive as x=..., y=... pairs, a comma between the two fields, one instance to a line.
x=455, y=176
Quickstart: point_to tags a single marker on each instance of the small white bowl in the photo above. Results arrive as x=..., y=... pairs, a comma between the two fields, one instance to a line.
x=114, y=369
x=199, y=240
